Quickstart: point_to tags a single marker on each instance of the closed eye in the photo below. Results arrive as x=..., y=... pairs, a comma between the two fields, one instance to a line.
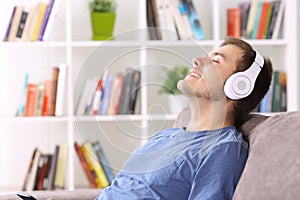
x=216, y=61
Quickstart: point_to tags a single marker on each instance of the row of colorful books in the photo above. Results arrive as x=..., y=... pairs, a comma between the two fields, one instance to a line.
x=109, y=95
x=44, y=98
x=46, y=171
x=256, y=19
x=173, y=20
x=276, y=98
x=95, y=164
x=31, y=23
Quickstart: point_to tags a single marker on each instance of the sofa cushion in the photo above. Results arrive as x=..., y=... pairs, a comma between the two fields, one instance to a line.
x=79, y=194
x=272, y=170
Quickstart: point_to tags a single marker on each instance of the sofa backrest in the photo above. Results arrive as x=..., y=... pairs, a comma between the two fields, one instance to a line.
x=272, y=170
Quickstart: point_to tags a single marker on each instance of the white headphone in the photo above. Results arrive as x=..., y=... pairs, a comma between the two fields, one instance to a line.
x=241, y=84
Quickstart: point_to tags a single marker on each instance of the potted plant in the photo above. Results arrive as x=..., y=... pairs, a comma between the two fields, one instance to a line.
x=176, y=99
x=102, y=18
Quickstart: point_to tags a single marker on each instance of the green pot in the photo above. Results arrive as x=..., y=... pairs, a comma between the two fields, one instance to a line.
x=103, y=25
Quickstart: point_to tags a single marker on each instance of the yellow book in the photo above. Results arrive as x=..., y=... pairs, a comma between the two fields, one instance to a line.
x=39, y=20
x=94, y=164
x=61, y=166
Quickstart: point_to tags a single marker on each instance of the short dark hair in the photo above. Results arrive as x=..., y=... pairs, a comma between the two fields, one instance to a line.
x=244, y=106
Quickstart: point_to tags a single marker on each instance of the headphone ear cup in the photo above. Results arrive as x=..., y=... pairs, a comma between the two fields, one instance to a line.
x=238, y=86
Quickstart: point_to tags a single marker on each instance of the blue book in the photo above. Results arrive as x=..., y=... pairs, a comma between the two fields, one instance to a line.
x=105, y=95
x=103, y=161
x=256, y=21
x=189, y=7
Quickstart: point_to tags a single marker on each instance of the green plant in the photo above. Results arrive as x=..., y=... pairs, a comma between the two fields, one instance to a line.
x=173, y=76
x=102, y=6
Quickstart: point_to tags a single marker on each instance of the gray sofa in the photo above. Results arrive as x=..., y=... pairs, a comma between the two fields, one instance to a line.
x=272, y=171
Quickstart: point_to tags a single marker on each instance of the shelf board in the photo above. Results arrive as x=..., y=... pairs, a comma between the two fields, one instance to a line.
x=136, y=43
x=34, y=44
x=33, y=119
x=125, y=118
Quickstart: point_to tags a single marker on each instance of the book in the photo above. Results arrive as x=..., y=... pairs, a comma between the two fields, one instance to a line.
x=46, y=97
x=263, y=20
x=9, y=24
x=125, y=92
x=33, y=170
x=186, y=28
x=21, y=109
x=28, y=171
x=89, y=174
x=94, y=164
x=31, y=11
x=251, y=18
x=166, y=22
x=61, y=88
x=85, y=100
x=268, y=20
x=278, y=21
x=40, y=99
x=21, y=24
x=181, y=21
x=53, y=93
x=152, y=20
x=276, y=6
x=103, y=161
x=194, y=19
x=52, y=169
x=116, y=95
x=244, y=7
x=134, y=88
x=61, y=166
x=256, y=20
x=234, y=22
x=31, y=99
x=45, y=19
x=105, y=95
x=97, y=98
x=15, y=23
x=41, y=10
x=52, y=19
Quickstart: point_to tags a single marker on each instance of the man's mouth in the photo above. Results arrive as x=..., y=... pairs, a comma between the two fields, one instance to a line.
x=194, y=73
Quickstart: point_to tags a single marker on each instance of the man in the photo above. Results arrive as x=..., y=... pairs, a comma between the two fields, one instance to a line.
x=205, y=159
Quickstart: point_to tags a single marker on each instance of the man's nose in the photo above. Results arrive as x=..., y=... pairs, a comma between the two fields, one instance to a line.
x=200, y=61
x=197, y=62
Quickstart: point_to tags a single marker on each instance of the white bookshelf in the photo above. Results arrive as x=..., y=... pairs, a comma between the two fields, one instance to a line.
x=71, y=44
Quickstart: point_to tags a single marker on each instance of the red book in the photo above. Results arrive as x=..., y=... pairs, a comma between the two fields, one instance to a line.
x=32, y=91
x=46, y=99
x=263, y=19
x=89, y=174
x=234, y=22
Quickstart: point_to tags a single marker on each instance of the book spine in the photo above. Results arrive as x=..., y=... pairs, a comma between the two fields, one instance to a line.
x=234, y=22
x=39, y=20
x=61, y=87
x=21, y=25
x=93, y=164
x=89, y=174
x=15, y=23
x=194, y=20
x=9, y=24
x=45, y=19
x=52, y=105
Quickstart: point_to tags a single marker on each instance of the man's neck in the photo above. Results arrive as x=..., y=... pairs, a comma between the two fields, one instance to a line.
x=209, y=115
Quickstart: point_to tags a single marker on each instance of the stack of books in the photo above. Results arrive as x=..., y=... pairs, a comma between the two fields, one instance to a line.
x=44, y=98
x=46, y=171
x=173, y=20
x=110, y=95
x=256, y=19
x=32, y=23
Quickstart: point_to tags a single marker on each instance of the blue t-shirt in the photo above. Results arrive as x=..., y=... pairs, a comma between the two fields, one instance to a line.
x=178, y=164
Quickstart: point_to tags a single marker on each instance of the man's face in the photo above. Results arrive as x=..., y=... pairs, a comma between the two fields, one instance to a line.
x=207, y=77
